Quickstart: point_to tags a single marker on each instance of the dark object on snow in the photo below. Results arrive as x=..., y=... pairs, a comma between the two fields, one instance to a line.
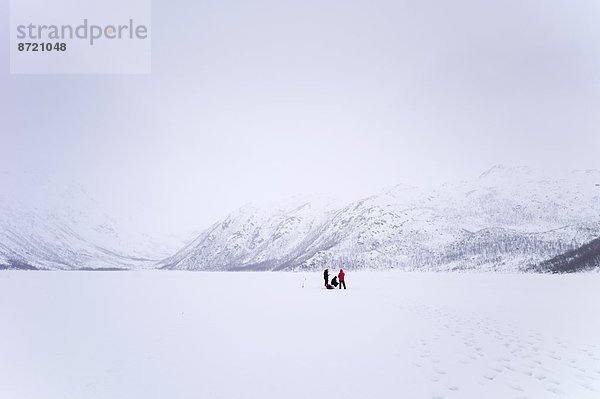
x=326, y=277
x=342, y=276
x=334, y=282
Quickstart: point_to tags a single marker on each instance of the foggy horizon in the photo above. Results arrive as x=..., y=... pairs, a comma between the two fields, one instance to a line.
x=142, y=221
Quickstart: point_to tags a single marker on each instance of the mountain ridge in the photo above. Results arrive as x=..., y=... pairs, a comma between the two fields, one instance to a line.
x=505, y=220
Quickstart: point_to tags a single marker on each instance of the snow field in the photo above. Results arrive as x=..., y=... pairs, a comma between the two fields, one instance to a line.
x=261, y=335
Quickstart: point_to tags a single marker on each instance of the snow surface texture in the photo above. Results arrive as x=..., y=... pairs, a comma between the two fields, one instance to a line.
x=509, y=219
x=158, y=335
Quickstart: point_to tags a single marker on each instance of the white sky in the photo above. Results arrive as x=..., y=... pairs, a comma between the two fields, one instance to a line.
x=260, y=100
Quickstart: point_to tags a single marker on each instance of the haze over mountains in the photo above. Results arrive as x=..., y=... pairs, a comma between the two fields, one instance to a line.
x=47, y=225
x=508, y=219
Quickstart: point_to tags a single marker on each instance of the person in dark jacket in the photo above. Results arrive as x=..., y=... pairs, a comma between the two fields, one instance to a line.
x=334, y=281
x=341, y=276
x=326, y=277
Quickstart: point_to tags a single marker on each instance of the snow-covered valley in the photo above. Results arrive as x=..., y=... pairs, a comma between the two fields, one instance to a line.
x=183, y=335
x=45, y=224
x=505, y=220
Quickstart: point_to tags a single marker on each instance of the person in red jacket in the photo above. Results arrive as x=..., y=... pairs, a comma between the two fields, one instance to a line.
x=341, y=276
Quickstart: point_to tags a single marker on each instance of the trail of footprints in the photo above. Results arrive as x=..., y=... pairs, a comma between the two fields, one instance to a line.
x=519, y=355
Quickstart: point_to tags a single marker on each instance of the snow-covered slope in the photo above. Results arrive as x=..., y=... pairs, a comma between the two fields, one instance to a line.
x=46, y=225
x=584, y=258
x=258, y=237
x=507, y=219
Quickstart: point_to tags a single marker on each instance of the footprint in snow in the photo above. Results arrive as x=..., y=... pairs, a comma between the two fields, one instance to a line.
x=554, y=390
x=515, y=387
x=588, y=387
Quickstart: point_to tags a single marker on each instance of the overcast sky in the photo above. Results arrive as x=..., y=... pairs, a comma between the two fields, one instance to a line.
x=259, y=100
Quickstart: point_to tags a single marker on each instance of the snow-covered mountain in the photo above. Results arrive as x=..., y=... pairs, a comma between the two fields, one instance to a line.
x=258, y=237
x=47, y=225
x=584, y=258
x=507, y=219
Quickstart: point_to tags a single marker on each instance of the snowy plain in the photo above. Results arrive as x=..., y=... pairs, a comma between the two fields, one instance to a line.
x=158, y=334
